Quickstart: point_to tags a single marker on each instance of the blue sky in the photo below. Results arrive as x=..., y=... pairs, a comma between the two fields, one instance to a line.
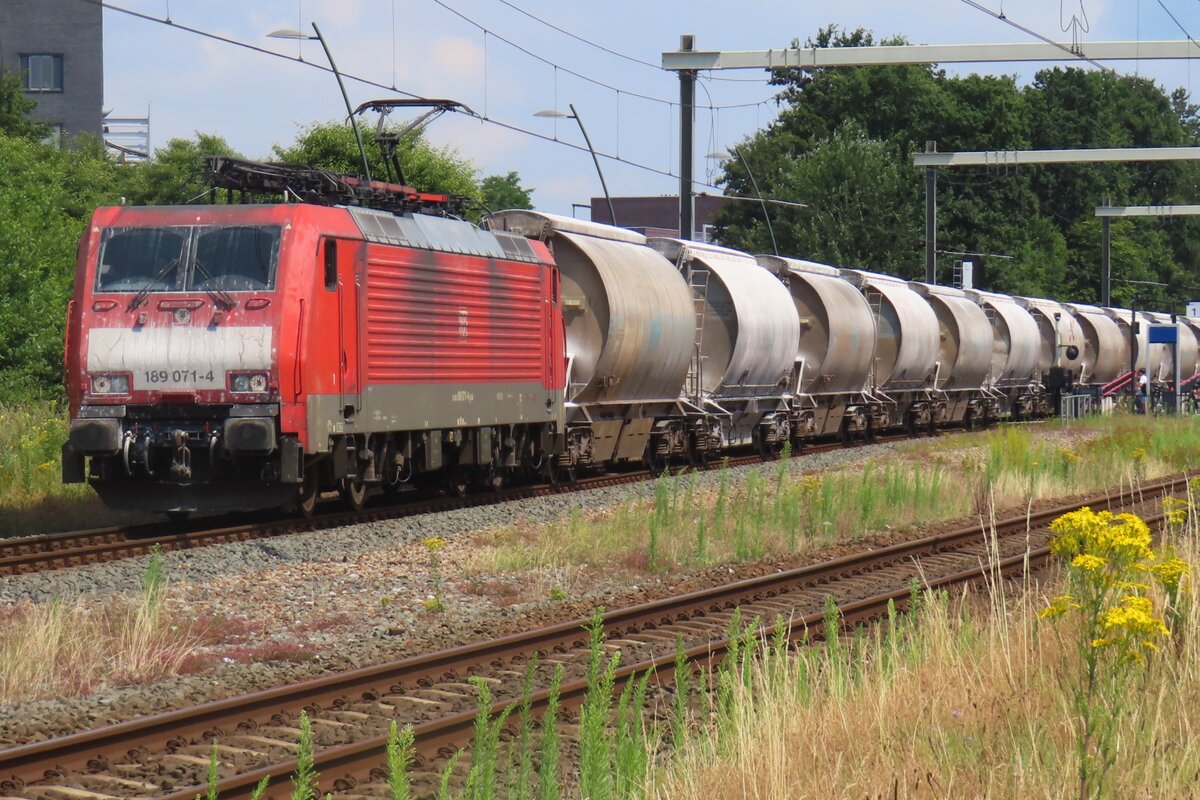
x=190, y=83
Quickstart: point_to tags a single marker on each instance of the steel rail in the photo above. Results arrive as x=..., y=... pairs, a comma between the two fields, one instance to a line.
x=30, y=764
x=49, y=552
x=355, y=762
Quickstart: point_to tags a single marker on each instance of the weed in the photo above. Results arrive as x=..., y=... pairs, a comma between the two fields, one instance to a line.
x=304, y=781
x=548, y=785
x=595, y=745
x=154, y=579
x=399, y=759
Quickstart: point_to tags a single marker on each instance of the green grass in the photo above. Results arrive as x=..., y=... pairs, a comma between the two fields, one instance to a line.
x=33, y=498
x=772, y=511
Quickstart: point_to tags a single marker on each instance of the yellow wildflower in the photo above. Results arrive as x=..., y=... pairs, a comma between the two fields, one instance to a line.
x=1170, y=572
x=1175, y=510
x=1131, y=621
x=434, y=543
x=1058, y=607
x=1138, y=454
x=1069, y=455
x=1089, y=562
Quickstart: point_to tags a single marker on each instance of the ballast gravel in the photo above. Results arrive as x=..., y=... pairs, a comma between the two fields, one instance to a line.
x=301, y=605
x=331, y=546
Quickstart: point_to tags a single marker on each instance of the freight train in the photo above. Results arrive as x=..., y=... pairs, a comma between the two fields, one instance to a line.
x=359, y=336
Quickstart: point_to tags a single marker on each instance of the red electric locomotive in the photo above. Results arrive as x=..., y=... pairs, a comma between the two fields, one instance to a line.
x=231, y=357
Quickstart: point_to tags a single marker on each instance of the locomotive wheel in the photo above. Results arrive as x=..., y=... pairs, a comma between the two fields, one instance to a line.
x=353, y=492
x=306, y=497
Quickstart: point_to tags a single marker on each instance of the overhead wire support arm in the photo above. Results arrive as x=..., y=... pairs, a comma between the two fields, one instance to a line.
x=877, y=55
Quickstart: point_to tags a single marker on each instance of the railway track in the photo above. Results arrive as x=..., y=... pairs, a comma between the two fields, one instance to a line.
x=255, y=735
x=61, y=550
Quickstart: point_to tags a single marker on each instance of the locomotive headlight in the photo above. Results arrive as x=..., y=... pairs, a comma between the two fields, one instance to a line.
x=110, y=384
x=248, y=382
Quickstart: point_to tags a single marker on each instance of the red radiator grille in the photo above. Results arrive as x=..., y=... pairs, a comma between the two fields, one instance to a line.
x=444, y=318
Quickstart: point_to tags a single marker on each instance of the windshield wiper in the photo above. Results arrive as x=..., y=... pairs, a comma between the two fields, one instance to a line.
x=145, y=291
x=219, y=296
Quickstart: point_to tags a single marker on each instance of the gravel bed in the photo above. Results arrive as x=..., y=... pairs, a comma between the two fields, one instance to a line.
x=304, y=604
x=207, y=563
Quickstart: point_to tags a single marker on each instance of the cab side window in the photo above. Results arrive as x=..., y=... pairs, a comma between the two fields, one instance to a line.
x=331, y=276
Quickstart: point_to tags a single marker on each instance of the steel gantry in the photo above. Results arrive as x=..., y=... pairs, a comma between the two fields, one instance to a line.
x=688, y=61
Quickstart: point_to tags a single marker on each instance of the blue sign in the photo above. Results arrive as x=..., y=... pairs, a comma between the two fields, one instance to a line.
x=1163, y=334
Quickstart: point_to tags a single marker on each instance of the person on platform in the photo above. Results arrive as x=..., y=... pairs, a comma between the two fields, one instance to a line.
x=1143, y=390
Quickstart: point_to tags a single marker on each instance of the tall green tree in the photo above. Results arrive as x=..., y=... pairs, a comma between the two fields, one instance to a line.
x=502, y=192
x=175, y=174
x=331, y=146
x=15, y=109
x=38, y=239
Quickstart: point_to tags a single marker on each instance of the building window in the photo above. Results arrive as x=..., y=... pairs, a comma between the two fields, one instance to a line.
x=42, y=72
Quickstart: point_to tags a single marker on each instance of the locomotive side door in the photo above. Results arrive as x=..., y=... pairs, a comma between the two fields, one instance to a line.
x=349, y=256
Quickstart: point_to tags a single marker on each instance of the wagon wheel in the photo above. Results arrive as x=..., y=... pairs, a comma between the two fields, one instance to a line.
x=844, y=432
x=969, y=420
x=354, y=492
x=459, y=479
x=495, y=478
x=558, y=475
x=654, y=462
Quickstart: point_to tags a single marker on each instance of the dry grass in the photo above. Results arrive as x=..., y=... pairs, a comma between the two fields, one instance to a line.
x=970, y=701
x=774, y=512
x=67, y=649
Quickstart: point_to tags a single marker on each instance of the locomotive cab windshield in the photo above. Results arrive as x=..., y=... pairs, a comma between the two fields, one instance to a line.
x=208, y=258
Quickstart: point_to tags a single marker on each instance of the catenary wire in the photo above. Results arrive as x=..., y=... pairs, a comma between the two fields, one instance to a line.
x=594, y=81
x=1009, y=21
x=368, y=82
x=603, y=48
x=1178, y=24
